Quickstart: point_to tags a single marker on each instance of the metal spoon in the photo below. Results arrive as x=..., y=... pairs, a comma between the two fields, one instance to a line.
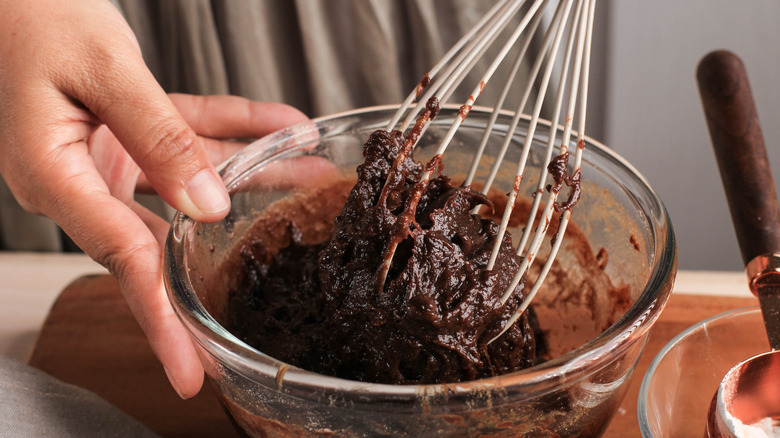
x=750, y=391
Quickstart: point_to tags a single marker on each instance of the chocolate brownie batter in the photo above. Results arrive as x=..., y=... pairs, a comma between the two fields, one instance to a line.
x=400, y=293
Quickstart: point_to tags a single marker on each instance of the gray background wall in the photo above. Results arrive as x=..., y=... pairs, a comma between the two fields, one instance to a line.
x=646, y=106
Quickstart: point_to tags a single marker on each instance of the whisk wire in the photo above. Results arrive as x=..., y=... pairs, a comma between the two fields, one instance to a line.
x=444, y=62
x=579, y=79
x=463, y=62
x=551, y=141
x=561, y=14
x=499, y=104
x=574, y=16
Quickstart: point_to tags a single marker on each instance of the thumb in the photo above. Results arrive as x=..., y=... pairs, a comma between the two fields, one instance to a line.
x=125, y=96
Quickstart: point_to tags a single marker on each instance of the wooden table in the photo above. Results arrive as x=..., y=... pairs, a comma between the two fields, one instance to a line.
x=90, y=339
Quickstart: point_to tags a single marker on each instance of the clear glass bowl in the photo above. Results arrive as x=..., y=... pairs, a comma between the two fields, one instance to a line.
x=573, y=394
x=678, y=387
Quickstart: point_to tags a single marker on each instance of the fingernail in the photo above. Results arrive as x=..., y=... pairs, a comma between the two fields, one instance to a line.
x=206, y=191
x=174, y=383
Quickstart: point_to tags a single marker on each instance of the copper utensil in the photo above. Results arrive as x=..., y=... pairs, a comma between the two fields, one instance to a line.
x=750, y=391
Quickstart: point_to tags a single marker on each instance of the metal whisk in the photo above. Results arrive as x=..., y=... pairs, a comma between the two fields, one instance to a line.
x=563, y=22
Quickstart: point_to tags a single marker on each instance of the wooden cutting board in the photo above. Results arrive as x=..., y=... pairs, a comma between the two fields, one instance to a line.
x=91, y=340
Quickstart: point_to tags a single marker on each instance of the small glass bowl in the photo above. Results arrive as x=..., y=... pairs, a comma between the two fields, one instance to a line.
x=573, y=394
x=678, y=387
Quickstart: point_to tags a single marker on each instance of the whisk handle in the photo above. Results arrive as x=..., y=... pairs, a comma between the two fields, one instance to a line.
x=736, y=136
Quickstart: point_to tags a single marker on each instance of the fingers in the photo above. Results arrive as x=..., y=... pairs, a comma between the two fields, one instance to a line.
x=220, y=150
x=217, y=151
x=166, y=149
x=66, y=67
x=120, y=239
x=235, y=117
x=87, y=70
x=229, y=117
x=86, y=52
x=220, y=118
x=148, y=125
x=154, y=223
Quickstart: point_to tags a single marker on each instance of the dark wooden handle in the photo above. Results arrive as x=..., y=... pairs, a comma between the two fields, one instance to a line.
x=739, y=148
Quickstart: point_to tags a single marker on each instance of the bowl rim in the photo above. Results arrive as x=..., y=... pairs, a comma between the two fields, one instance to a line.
x=589, y=357
x=641, y=405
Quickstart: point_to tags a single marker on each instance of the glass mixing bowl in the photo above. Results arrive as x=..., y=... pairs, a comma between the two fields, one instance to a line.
x=631, y=243
x=677, y=389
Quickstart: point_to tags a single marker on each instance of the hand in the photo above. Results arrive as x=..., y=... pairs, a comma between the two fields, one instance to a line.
x=83, y=123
